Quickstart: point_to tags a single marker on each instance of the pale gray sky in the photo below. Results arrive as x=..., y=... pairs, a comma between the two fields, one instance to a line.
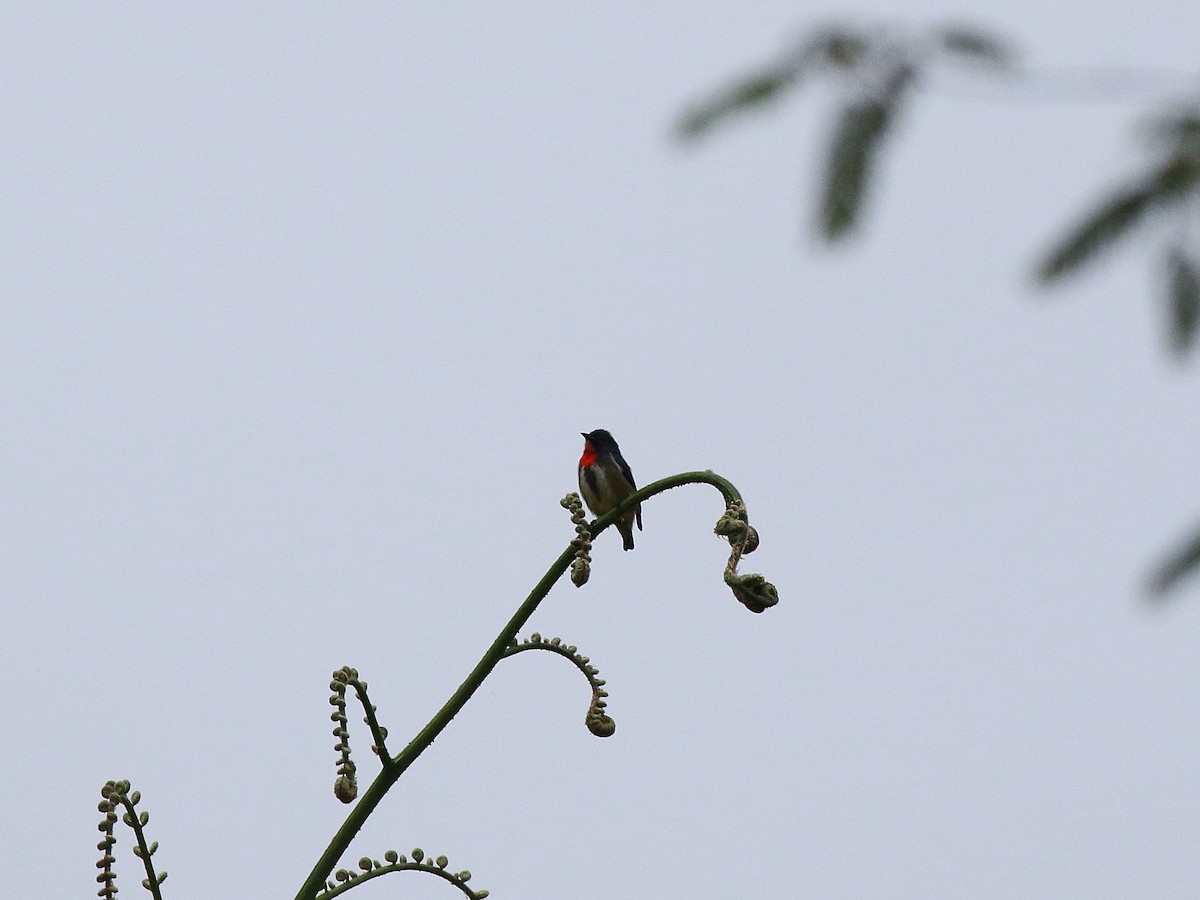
x=304, y=311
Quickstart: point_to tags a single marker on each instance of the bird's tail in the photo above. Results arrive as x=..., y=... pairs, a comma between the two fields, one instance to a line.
x=626, y=529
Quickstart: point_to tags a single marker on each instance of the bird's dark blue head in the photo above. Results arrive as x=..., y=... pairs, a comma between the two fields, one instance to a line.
x=600, y=440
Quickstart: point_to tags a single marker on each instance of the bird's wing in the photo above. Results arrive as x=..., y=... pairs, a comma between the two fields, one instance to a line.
x=625, y=471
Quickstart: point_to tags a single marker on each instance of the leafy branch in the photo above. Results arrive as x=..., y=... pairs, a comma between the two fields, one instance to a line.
x=876, y=70
x=879, y=69
x=1169, y=189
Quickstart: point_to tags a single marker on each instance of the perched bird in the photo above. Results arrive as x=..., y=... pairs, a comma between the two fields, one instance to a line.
x=605, y=480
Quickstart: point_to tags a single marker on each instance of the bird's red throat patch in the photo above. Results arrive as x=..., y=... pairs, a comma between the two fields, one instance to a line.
x=589, y=455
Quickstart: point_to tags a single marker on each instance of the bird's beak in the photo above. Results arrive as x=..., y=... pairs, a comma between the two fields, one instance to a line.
x=583, y=434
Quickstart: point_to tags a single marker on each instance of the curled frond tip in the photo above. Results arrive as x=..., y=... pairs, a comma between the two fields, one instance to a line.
x=596, y=718
x=752, y=591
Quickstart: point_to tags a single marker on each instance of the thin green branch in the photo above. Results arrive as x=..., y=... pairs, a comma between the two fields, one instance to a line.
x=137, y=821
x=378, y=732
x=397, y=863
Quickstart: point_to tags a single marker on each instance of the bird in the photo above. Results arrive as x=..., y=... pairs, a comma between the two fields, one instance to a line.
x=605, y=480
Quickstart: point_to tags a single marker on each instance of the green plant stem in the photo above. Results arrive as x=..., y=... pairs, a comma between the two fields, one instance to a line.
x=372, y=721
x=135, y=823
x=395, y=767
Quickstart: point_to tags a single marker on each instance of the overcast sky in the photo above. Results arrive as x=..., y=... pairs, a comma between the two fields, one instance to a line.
x=304, y=311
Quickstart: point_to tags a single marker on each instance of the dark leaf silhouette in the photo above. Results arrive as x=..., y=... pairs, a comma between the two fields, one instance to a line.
x=1115, y=218
x=860, y=130
x=835, y=47
x=749, y=93
x=1184, y=299
x=841, y=47
x=976, y=46
x=1182, y=563
x=1181, y=131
